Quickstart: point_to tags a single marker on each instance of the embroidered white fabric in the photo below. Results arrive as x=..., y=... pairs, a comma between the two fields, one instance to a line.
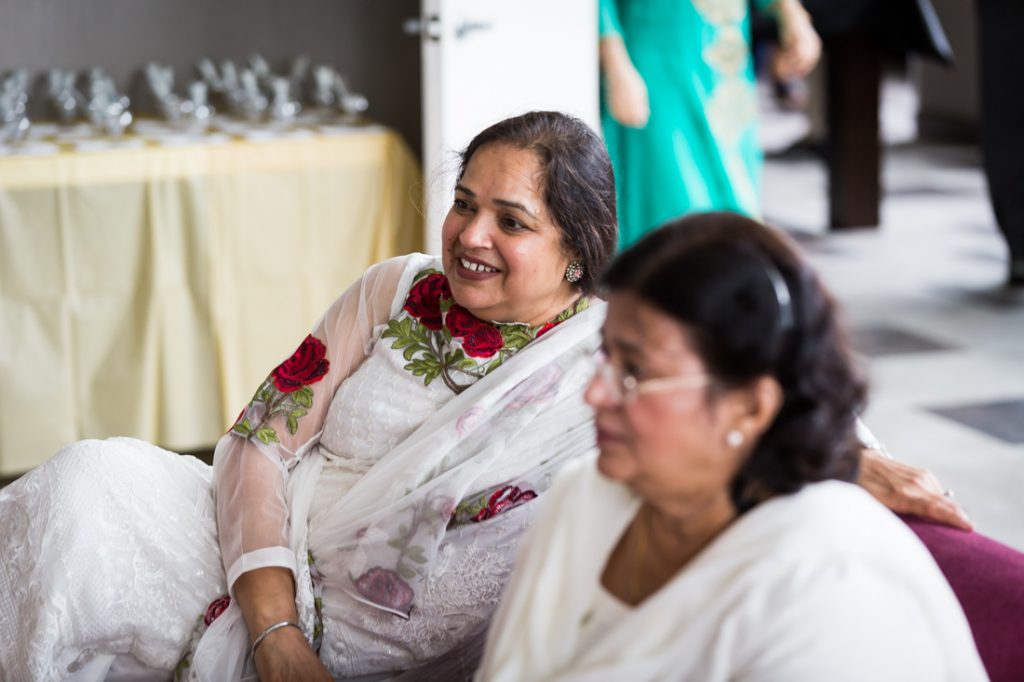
x=112, y=546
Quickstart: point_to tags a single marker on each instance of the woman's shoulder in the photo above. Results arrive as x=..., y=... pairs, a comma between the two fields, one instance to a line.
x=831, y=538
x=832, y=563
x=835, y=519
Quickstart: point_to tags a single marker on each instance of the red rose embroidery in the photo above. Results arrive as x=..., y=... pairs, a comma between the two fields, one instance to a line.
x=479, y=339
x=461, y=322
x=484, y=342
x=424, y=301
x=216, y=607
x=502, y=500
x=545, y=329
x=385, y=587
x=307, y=365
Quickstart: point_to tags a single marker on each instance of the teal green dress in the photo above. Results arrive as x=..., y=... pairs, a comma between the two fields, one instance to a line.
x=699, y=150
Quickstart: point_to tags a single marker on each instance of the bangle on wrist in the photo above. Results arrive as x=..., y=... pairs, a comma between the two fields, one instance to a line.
x=260, y=637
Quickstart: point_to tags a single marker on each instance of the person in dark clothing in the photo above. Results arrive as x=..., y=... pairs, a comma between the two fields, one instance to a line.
x=1001, y=55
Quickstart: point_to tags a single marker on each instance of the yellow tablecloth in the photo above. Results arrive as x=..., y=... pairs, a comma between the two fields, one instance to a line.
x=146, y=292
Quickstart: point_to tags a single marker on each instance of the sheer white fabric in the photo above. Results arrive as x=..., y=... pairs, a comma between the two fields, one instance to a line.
x=824, y=584
x=252, y=513
x=111, y=548
x=381, y=482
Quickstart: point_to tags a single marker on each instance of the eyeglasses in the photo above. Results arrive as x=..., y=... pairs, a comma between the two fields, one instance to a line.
x=624, y=388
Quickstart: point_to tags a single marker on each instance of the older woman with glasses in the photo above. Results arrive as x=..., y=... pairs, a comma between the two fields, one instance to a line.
x=719, y=537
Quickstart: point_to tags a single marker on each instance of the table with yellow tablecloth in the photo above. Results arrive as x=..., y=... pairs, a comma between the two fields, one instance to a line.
x=146, y=292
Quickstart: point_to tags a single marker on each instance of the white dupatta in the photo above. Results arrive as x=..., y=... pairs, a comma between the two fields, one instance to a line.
x=491, y=448
x=824, y=584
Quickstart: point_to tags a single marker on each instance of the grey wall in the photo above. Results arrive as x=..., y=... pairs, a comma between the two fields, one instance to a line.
x=361, y=38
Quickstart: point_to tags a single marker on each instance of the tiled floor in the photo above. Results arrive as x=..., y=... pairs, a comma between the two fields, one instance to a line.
x=942, y=340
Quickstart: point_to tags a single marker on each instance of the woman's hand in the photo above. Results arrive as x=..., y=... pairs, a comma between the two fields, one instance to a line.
x=799, y=44
x=267, y=596
x=909, y=490
x=284, y=656
x=625, y=90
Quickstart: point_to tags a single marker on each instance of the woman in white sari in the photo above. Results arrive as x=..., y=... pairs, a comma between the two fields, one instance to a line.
x=362, y=512
x=365, y=504
x=717, y=538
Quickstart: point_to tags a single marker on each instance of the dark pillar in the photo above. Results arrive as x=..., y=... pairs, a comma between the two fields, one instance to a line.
x=854, y=145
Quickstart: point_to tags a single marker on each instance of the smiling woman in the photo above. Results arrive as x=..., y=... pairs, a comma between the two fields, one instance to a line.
x=503, y=253
x=362, y=512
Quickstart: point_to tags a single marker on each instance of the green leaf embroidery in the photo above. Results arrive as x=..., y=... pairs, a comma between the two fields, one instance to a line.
x=406, y=572
x=293, y=419
x=243, y=427
x=404, y=342
x=424, y=366
x=179, y=671
x=267, y=435
x=303, y=396
x=423, y=273
x=516, y=336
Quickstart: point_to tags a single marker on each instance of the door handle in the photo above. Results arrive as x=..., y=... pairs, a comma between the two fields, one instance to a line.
x=428, y=28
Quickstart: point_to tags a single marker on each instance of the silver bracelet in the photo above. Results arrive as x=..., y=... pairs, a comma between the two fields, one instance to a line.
x=260, y=637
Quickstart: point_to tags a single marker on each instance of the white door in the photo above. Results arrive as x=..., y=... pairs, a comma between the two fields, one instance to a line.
x=485, y=60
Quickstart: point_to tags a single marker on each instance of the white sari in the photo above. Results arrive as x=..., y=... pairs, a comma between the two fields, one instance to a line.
x=824, y=584
x=411, y=543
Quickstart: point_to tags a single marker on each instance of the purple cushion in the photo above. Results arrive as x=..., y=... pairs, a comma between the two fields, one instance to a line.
x=988, y=579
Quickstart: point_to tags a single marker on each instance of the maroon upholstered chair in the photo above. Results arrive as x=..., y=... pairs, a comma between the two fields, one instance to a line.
x=988, y=579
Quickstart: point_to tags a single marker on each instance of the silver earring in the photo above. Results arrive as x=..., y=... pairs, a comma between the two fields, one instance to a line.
x=734, y=438
x=574, y=272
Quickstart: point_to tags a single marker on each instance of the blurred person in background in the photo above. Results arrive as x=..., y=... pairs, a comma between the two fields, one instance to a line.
x=1000, y=26
x=679, y=107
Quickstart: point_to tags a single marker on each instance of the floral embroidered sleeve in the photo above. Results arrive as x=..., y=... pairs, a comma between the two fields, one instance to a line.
x=284, y=420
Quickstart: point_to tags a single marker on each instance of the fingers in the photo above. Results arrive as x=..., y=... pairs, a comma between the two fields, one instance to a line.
x=935, y=507
x=947, y=511
x=910, y=490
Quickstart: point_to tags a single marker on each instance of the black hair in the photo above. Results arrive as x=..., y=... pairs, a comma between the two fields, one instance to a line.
x=754, y=307
x=576, y=181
